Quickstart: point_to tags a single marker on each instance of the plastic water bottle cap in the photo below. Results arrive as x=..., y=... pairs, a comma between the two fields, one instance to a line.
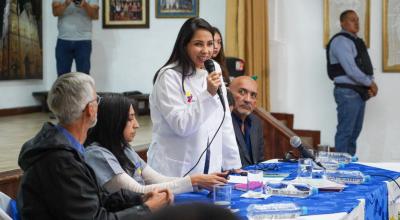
x=304, y=210
x=314, y=190
x=367, y=178
x=354, y=159
x=341, y=165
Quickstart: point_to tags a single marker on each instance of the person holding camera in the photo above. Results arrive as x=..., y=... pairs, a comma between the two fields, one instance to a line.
x=74, y=33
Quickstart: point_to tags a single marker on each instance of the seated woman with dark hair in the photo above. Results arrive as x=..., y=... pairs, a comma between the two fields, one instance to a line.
x=118, y=166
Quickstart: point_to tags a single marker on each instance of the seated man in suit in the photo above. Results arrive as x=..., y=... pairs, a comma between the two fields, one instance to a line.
x=57, y=183
x=248, y=127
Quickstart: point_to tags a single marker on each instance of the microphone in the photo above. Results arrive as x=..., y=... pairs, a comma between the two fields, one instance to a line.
x=209, y=65
x=295, y=141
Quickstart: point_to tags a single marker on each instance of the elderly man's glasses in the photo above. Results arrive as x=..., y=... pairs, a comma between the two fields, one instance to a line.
x=97, y=99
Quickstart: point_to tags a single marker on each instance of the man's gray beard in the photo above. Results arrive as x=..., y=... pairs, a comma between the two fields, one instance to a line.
x=247, y=113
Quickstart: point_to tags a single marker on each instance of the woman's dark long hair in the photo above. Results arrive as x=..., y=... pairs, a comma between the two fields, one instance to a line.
x=179, y=53
x=220, y=58
x=112, y=116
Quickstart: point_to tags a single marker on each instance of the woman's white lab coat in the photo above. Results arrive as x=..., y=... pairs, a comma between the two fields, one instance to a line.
x=183, y=123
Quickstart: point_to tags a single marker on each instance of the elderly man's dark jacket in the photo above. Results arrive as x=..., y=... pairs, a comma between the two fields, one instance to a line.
x=256, y=139
x=57, y=184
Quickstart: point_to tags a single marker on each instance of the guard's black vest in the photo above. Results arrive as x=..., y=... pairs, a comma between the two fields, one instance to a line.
x=362, y=59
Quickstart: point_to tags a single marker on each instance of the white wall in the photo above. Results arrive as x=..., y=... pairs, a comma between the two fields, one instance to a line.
x=122, y=59
x=299, y=83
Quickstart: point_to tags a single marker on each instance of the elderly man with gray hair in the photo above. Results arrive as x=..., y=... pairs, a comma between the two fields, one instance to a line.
x=248, y=127
x=57, y=183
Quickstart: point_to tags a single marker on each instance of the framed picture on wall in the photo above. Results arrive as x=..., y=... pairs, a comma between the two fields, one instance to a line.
x=21, y=40
x=391, y=35
x=126, y=14
x=332, y=11
x=177, y=8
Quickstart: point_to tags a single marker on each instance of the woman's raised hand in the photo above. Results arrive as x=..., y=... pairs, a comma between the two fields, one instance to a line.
x=213, y=82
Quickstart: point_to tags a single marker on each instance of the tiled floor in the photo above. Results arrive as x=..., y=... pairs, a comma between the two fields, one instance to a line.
x=15, y=130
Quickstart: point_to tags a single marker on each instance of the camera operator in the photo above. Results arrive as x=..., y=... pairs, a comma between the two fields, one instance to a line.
x=74, y=33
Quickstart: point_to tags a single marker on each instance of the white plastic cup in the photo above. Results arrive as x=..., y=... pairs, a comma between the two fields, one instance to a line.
x=222, y=195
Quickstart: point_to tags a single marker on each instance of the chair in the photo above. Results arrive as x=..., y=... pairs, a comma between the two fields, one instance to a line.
x=4, y=206
x=235, y=66
x=41, y=96
x=141, y=99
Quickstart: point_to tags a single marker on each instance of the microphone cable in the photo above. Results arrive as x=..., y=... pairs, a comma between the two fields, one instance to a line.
x=380, y=175
x=208, y=146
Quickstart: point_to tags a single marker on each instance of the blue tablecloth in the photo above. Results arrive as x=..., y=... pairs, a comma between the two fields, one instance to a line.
x=374, y=192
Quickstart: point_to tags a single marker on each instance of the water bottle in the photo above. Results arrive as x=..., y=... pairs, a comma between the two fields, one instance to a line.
x=275, y=211
x=340, y=157
x=327, y=162
x=300, y=190
x=347, y=176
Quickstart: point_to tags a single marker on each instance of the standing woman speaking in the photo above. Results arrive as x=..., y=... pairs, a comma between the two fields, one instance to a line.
x=192, y=132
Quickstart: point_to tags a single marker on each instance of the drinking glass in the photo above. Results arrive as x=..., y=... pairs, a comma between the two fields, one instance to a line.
x=222, y=195
x=305, y=168
x=255, y=181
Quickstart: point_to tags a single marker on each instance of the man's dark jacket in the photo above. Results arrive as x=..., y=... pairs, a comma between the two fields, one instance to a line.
x=57, y=184
x=256, y=139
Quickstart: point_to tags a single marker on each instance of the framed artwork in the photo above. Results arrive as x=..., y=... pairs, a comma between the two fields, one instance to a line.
x=332, y=11
x=177, y=8
x=391, y=36
x=21, y=46
x=126, y=14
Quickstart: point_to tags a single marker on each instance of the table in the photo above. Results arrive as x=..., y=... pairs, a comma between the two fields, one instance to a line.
x=393, y=189
x=371, y=200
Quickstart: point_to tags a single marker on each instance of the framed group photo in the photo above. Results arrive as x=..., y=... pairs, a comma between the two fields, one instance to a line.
x=391, y=36
x=177, y=8
x=332, y=11
x=126, y=14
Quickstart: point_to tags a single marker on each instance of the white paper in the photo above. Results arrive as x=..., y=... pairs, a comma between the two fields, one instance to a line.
x=254, y=195
x=237, y=179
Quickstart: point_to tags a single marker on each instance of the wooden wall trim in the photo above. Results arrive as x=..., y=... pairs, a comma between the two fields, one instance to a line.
x=286, y=118
x=313, y=134
x=277, y=134
x=267, y=116
x=9, y=182
x=19, y=110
